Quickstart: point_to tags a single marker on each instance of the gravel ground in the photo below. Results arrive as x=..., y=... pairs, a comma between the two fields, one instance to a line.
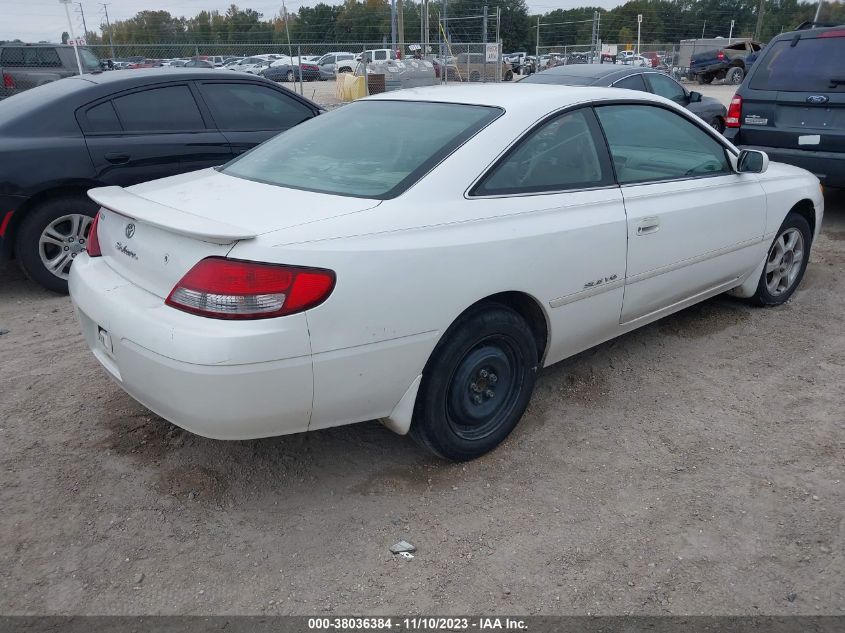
x=693, y=466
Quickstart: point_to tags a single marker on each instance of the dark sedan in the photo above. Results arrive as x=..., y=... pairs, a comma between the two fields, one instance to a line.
x=290, y=72
x=635, y=78
x=65, y=137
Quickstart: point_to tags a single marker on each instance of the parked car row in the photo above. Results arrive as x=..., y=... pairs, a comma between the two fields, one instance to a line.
x=342, y=267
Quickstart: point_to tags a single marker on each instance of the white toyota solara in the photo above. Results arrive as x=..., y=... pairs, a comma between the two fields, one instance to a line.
x=419, y=255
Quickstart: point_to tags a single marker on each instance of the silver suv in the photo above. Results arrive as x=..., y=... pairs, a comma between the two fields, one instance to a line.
x=25, y=66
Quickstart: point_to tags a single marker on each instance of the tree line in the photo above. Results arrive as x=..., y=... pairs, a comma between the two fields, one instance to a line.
x=664, y=21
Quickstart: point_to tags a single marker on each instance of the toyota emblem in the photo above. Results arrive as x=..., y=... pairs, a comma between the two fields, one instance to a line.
x=130, y=230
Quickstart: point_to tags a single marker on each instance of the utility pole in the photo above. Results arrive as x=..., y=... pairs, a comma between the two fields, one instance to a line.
x=400, y=27
x=72, y=36
x=84, y=26
x=484, y=39
x=287, y=30
x=759, y=28
x=393, y=25
x=703, y=26
x=731, y=34
x=425, y=41
x=537, y=51
x=818, y=12
x=105, y=6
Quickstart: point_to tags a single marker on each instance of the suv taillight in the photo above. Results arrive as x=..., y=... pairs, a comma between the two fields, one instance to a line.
x=93, y=246
x=734, y=112
x=720, y=55
x=222, y=288
x=8, y=81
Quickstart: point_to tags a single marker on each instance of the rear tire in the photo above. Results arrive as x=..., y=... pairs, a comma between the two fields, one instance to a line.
x=51, y=235
x=717, y=124
x=735, y=75
x=509, y=76
x=289, y=76
x=705, y=79
x=786, y=262
x=477, y=384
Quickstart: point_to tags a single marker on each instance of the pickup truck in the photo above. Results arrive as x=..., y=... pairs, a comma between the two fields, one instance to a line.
x=25, y=66
x=729, y=63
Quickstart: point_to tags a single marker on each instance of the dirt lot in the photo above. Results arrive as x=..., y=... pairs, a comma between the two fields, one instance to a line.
x=694, y=466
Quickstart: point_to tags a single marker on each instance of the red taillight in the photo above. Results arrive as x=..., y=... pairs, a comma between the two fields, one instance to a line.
x=8, y=81
x=93, y=246
x=734, y=112
x=720, y=55
x=836, y=33
x=223, y=288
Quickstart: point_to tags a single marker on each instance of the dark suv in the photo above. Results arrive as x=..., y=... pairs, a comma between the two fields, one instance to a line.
x=791, y=105
x=25, y=66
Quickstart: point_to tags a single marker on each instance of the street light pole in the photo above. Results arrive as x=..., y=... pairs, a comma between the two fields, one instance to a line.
x=731, y=34
x=639, y=24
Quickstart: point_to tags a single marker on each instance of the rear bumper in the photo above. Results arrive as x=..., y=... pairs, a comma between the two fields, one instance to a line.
x=828, y=167
x=192, y=371
x=706, y=69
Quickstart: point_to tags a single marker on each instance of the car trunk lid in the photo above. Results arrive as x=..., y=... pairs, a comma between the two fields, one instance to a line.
x=152, y=234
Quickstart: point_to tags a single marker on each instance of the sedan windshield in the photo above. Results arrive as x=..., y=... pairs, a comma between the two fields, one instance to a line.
x=368, y=149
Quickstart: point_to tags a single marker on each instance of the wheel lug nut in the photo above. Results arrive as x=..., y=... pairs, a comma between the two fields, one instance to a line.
x=73, y=254
x=493, y=377
x=477, y=399
x=483, y=373
x=474, y=387
x=489, y=393
x=70, y=239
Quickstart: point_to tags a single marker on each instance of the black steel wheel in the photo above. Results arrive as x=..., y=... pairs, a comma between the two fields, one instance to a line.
x=476, y=384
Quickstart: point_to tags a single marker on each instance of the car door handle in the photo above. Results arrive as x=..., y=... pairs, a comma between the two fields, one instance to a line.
x=647, y=226
x=116, y=158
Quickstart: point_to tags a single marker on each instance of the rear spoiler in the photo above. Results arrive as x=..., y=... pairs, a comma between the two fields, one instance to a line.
x=126, y=203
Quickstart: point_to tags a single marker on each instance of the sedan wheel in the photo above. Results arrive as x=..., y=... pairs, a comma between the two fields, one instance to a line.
x=476, y=384
x=716, y=124
x=61, y=241
x=785, y=262
x=289, y=76
x=51, y=236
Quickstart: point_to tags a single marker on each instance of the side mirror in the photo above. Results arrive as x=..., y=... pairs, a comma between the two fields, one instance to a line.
x=752, y=161
x=694, y=97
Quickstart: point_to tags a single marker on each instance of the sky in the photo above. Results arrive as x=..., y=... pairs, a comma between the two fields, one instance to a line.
x=36, y=20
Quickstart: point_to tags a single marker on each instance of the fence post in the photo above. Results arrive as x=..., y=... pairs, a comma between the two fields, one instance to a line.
x=299, y=63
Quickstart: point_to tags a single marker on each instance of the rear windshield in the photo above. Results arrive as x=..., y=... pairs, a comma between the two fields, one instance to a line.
x=368, y=149
x=558, y=79
x=812, y=65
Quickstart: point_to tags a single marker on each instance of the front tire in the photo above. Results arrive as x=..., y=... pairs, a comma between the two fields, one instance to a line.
x=786, y=262
x=289, y=76
x=705, y=79
x=477, y=384
x=50, y=237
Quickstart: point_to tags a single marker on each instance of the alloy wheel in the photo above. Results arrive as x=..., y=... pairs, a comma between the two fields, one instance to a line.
x=62, y=240
x=784, y=262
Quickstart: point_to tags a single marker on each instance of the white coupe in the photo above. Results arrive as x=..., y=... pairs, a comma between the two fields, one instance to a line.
x=418, y=256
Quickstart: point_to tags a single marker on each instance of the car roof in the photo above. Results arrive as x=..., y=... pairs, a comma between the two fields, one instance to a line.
x=141, y=76
x=596, y=71
x=526, y=99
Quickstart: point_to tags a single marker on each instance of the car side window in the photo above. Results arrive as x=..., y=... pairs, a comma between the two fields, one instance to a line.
x=632, y=82
x=167, y=109
x=667, y=87
x=102, y=119
x=380, y=55
x=650, y=143
x=243, y=106
x=558, y=155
